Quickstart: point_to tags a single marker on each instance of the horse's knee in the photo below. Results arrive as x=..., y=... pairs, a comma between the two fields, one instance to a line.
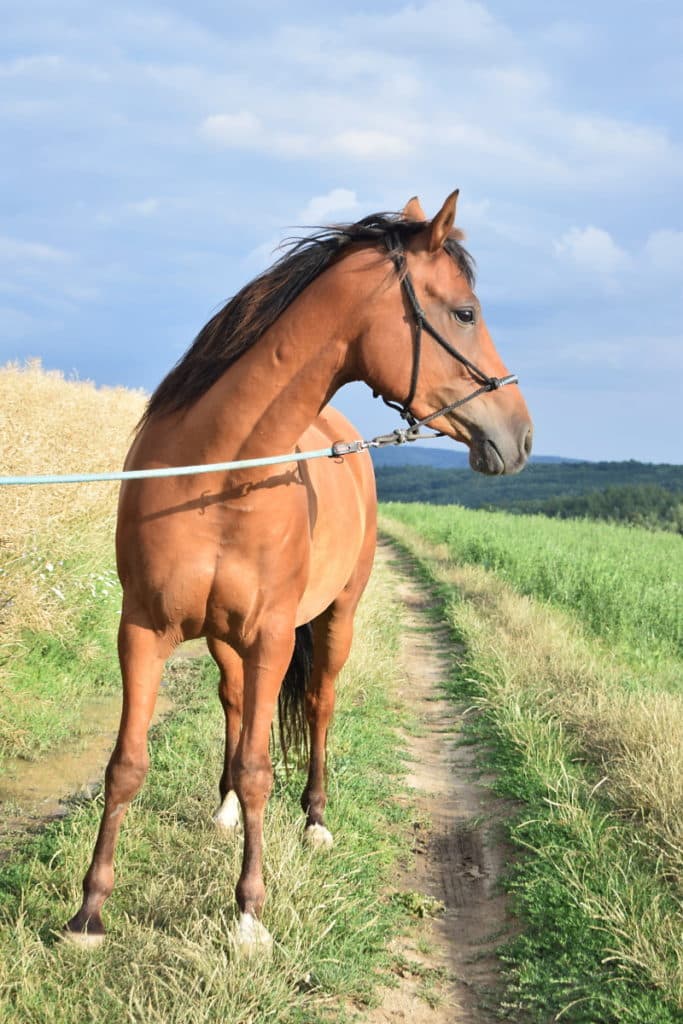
x=320, y=706
x=231, y=697
x=253, y=782
x=125, y=774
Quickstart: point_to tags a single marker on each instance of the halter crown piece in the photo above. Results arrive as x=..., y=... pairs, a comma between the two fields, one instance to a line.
x=397, y=254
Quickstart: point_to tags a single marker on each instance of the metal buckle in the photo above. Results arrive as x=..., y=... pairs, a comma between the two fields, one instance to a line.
x=340, y=448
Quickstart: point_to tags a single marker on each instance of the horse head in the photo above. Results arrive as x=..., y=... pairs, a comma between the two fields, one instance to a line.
x=429, y=352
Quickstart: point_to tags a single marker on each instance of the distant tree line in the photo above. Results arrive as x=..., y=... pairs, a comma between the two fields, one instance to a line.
x=646, y=505
x=626, y=492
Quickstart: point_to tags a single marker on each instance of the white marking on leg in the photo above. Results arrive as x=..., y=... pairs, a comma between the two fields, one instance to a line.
x=252, y=938
x=318, y=837
x=227, y=817
x=82, y=940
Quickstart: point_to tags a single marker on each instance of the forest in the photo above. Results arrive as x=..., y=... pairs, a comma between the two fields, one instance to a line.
x=643, y=494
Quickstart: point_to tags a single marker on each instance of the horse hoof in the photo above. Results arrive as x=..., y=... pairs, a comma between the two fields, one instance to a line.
x=227, y=817
x=82, y=940
x=252, y=938
x=318, y=837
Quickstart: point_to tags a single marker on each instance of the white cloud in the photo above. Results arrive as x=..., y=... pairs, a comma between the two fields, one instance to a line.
x=449, y=22
x=320, y=209
x=16, y=251
x=246, y=130
x=592, y=249
x=241, y=129
x=51, y=68
x=513, y=84
x=145, y=207
x=369, y=145
x=30, y=66
x=618, y=140
x=16, y=324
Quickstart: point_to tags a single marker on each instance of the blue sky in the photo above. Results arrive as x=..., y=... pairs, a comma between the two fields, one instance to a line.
x=152, y=155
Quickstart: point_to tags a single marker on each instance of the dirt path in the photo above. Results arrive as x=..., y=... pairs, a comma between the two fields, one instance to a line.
x=451, y=972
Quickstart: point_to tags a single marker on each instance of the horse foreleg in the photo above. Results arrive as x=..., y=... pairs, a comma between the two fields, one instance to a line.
x=231, y=692
x=332, y=636
x=142, y=654
x=265, y=665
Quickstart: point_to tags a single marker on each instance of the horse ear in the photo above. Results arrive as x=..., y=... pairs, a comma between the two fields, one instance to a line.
x=413, y=210
x=442, y=225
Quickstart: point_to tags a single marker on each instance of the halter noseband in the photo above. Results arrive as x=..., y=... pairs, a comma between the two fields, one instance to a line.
x=397, y=254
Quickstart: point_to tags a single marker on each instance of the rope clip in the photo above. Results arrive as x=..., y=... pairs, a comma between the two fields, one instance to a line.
x=340, y=448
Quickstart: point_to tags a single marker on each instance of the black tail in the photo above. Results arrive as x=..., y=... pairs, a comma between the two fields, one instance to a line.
x=291, y=708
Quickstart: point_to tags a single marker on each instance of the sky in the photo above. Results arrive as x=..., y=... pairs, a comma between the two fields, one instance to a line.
x=152, y=156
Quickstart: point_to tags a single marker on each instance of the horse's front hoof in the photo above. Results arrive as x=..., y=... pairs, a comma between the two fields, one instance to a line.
x=252, y=938
x=317, y=837
x=89, y=939
x=227, y=817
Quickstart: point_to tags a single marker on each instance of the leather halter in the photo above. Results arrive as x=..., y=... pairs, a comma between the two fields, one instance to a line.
x=397, y=254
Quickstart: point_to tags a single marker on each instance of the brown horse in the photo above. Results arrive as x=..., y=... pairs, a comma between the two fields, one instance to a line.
x=248, y=558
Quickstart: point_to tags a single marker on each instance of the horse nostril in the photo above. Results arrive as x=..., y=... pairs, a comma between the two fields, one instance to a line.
x=528, y=441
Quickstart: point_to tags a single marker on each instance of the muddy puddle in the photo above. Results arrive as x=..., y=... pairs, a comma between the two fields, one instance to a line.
x=31, y=792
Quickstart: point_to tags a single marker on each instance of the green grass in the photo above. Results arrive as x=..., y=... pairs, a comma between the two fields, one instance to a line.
x=621, y=583
x=168, y=957
x=598, y=879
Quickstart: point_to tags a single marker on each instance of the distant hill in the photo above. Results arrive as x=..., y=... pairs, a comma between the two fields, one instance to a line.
x=631, y=491
x=445, y=457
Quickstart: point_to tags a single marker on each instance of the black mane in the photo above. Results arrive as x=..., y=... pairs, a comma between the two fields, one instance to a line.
x=245, y=317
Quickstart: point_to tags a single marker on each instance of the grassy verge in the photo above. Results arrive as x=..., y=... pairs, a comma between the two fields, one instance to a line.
x=597, y=765
x=168, y=956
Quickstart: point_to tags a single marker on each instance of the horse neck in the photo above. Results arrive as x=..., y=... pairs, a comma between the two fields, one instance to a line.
x=265, y=401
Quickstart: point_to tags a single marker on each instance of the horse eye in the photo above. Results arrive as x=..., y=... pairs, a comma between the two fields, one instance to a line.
x=464, y=316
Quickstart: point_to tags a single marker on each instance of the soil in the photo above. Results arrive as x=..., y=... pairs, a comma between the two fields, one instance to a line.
x=449, y=972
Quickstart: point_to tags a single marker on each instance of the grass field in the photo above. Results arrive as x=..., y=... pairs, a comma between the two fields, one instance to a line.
x=625, y=585
x=588, y=735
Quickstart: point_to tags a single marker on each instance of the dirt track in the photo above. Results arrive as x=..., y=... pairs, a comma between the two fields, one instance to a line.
x=460, y=854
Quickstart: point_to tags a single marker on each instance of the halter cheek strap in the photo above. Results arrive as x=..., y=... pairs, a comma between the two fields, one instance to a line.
x=397, y=254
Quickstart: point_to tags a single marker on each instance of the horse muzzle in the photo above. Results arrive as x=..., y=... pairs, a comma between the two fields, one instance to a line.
x=501, y=454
